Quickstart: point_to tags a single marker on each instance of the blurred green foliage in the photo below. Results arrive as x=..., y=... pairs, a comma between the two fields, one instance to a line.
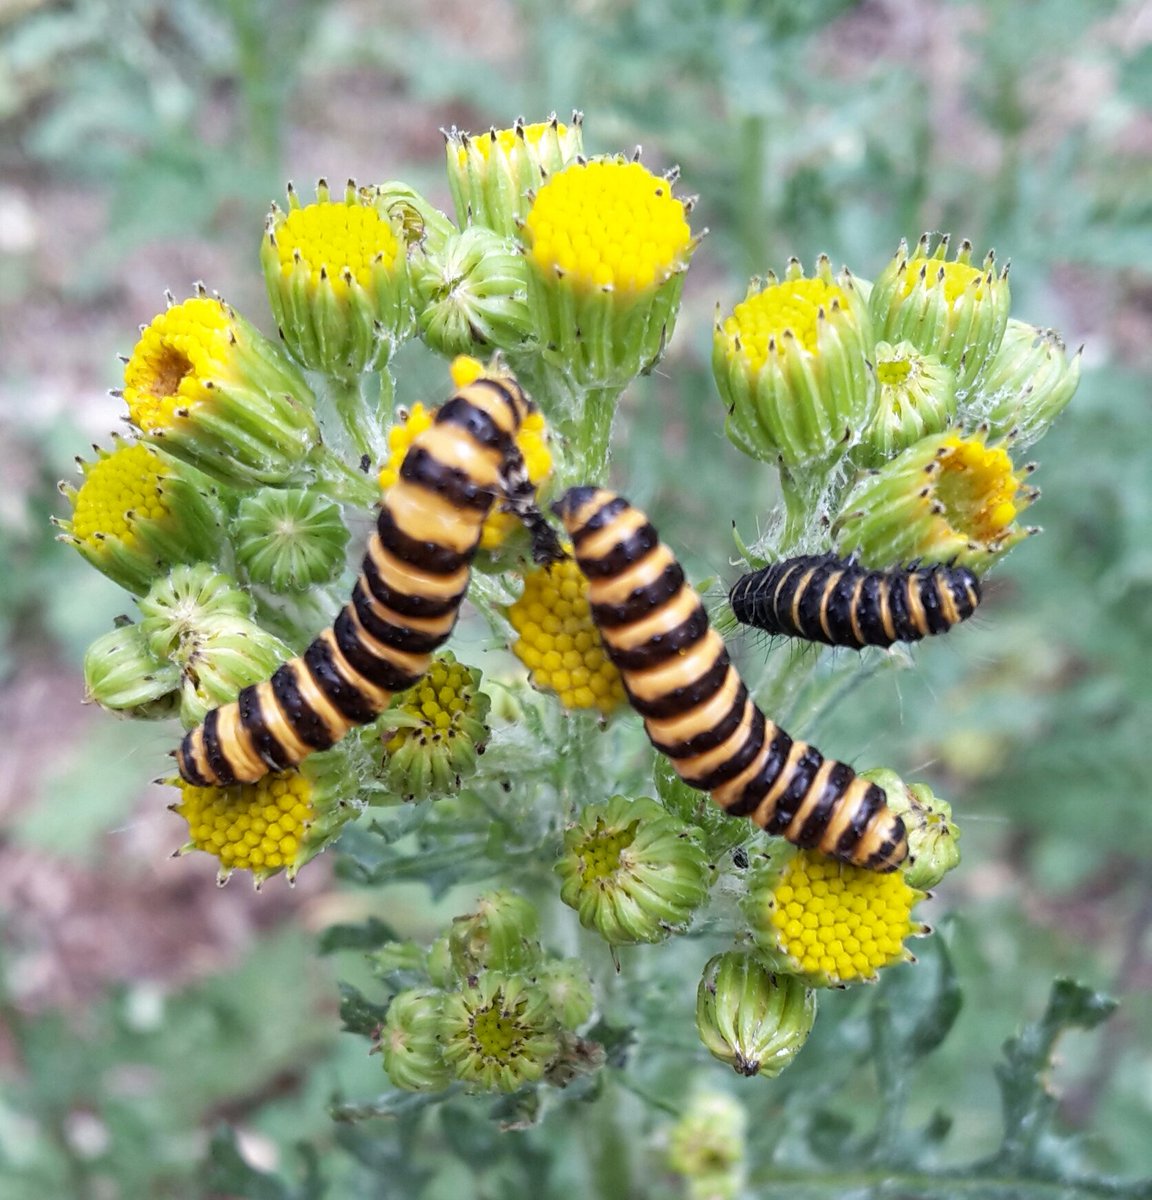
x=826, y=126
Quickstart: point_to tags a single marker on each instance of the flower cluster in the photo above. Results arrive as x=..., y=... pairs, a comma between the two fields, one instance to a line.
x=894, y=412
x=892, y=409
x=493, y=1012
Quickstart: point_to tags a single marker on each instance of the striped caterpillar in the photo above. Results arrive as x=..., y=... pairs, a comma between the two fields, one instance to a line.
x=695, y=707
x=413, y=580
x=836, y=601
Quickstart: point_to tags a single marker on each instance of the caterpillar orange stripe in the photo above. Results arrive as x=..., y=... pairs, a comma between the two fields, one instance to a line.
x=696, y=708
x=836, y=601
x=404, y=606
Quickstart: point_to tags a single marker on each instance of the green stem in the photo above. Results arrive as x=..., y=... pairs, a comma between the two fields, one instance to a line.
x=363, y=429
x=586, y=432
x=336, y=479
x=608, y=1151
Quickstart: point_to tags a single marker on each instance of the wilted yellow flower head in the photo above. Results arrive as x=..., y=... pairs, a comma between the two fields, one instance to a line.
x=559, y=642
x=218, y=394
x=828, y=922
x=948, y=498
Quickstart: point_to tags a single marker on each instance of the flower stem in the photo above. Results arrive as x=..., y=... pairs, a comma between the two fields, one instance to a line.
x=362, y=426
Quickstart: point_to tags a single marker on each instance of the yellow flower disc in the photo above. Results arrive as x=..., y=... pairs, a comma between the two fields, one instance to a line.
x=532, y=441
x=559, y=643
x=257, y=827
x=126, y=481
x=761, y=321
x=978, y=488
x=176, y=355
x=338, y=238
x=956, y=278
x=840, y=922
x=608, y=225
x=445, y=693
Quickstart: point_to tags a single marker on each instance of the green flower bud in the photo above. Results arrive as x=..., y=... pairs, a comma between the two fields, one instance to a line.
x=827, y=922
x=218, y=658
x=499, y=936
x=748, y=1017
x=175, y=606
x=946, y=499
x=933, y=838
x=499, y=1033
x=338, y=280
x=277, y=824
x=791, y=363
x=607, y=246
x=917, y=399
x=949, y=309
x=122, y=675
x=403, y=958
x=1026, y=385
x=289, y=540
x=434, y=732
x=707, y=1147
x=492, y=175
x=421, y=225
x=472, y=295
x=633, y=872
x=410, y=1041
x=212, y=391
x=441, y=968
x=140, y=511
x=569, y=990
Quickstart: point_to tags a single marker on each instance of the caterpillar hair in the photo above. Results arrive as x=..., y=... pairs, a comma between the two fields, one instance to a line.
x=836, y=601
x=695, y=707
x=404, y=605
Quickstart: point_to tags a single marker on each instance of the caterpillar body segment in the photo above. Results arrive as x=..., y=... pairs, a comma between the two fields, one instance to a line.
x=836, y=601
x=695, y=707
x=413, y=579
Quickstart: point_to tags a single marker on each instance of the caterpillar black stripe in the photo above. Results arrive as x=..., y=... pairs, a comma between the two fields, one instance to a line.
x=413, y=579
x=836, y=601
x=696, y=708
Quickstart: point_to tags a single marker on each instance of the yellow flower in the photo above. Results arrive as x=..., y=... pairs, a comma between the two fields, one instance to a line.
x=946, y=499
x=791, y=365
x=828, y=922
x=948, y=308
x=608, y=224
x=277, y=824
x=532, y=441
x=138, y=512
x=559, y=642
x=608, y=244
x=338, y=282
x=493, y=174
x=218, y=395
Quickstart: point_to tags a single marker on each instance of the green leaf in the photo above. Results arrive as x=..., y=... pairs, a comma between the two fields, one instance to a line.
x=368, y=935
x=358, y=1013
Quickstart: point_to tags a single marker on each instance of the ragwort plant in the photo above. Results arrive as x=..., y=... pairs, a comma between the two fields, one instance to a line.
x=894, y=411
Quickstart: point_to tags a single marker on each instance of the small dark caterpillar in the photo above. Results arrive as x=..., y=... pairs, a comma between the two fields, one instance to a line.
x=696, y=708
x=836, y=601
x=413, y=580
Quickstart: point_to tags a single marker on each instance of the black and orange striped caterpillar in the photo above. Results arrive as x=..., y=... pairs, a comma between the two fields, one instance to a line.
x=404, y=606
x=822, y=598
x=695, y=707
